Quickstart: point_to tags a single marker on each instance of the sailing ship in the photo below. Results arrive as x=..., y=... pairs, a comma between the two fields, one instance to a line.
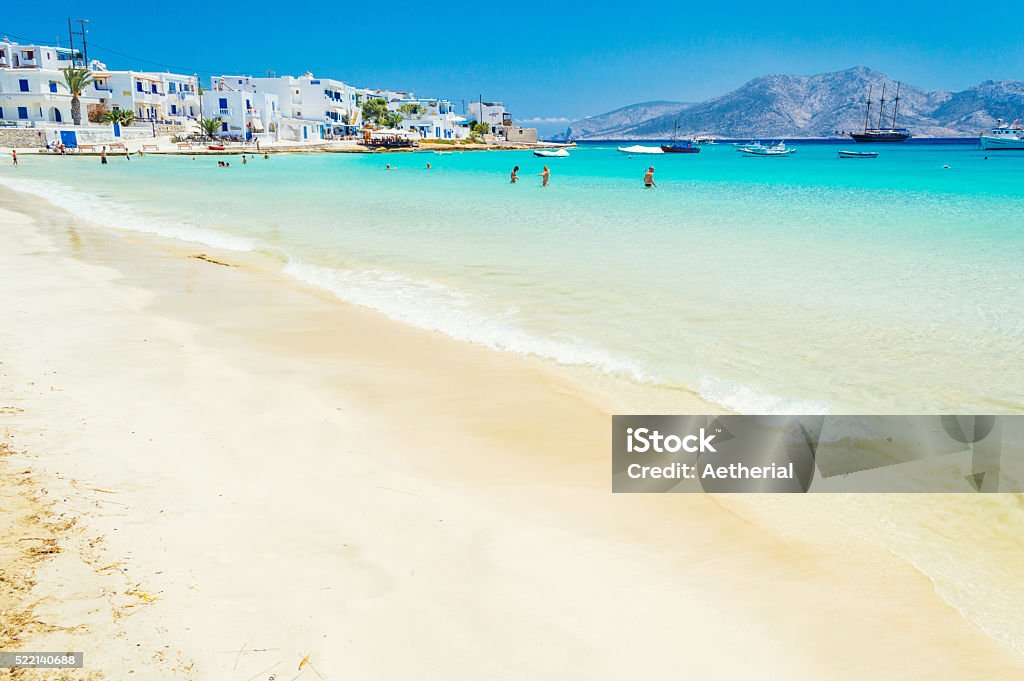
x=687, y=147
x=878, y=133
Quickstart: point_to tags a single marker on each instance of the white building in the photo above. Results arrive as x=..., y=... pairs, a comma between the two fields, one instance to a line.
x=32, y=89
x=491, y=113
x=152, y=97
x=242, y=113
x=310, y=108
x=430, y=118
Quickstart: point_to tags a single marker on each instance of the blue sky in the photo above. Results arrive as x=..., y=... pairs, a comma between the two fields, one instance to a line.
x=544, y=60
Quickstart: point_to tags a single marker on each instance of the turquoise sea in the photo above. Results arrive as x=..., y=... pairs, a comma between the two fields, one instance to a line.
x=801, y=284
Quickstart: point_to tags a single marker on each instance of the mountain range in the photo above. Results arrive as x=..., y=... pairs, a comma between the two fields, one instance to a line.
x=812, y=106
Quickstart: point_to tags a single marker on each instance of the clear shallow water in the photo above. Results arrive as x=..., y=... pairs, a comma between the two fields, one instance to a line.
x=800, y=284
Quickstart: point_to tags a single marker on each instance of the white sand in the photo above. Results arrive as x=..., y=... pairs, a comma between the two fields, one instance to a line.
x=276, y=477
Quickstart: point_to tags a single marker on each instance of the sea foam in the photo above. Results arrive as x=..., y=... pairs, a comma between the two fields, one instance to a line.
x=110, y=214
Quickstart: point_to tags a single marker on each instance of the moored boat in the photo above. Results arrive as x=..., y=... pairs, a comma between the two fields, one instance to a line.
x=551, y=153
x=687, y=147
x=878, y=134
x=858, y=154
x=777, y=149
x=639, y=149
x=1004, y=136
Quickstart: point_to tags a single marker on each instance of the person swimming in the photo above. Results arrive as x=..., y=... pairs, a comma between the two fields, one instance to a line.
x=649, y=178
x=428, y=166
x=515, y=174
x=545, y=176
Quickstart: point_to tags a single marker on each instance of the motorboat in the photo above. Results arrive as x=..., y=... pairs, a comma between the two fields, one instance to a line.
x=777, y=149
x=858, y=154
x=752, y=144
x=1004, y=136
x=551, y=153
x=639, y=149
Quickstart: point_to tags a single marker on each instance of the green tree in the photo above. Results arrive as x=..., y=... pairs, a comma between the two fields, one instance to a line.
x=210, y=126
x=392, y=119
x=481, y=128
x=375, y=110
x=122, y=117
x=76, y=80
x=411, y=109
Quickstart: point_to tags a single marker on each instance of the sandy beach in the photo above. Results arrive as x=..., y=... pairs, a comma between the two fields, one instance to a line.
x=211, y=471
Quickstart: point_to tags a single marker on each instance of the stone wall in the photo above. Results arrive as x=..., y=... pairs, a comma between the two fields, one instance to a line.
x=22, y=137
x=520, y=135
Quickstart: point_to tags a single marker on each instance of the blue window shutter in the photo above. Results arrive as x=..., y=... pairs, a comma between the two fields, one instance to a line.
x=23, y=84
x=53, y=86
x=22, y=112
x=223, y=102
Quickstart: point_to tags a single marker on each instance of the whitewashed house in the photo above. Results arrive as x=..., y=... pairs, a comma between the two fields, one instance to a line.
x=32, y=89
x=491, y=113
x=244, y=113
x=152, y=97
x=433, y=119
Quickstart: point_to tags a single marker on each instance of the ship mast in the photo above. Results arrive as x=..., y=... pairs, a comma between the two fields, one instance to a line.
x=881, y=107
x=867, y=109
x=896, y=106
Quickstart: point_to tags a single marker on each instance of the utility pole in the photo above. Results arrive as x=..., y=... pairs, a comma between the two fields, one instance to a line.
x=71, y=39
x=85, y=45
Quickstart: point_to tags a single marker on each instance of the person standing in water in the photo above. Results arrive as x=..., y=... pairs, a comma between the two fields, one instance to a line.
x=14, y=156
x=545, y=176
x=649, y=178
x=103, y=156
x=515, y=174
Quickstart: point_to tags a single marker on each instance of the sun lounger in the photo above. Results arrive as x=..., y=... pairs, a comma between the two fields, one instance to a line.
x=150, y=147
x=87, y=147
x=184, y=146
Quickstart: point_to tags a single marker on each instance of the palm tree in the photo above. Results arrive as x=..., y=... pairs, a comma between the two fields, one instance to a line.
x=76, y=80
x=211, y=126
x=122, y=117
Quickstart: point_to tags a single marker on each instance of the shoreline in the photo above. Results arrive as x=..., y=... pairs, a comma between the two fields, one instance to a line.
x=278, y=476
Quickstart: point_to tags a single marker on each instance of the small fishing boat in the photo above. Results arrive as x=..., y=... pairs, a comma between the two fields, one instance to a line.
x=638, y=149
x=215, y=147
x=1004, y=136
x=777, y=149
x=858, y=154
x=551, y=153
x=752, y=144
x=687, y=147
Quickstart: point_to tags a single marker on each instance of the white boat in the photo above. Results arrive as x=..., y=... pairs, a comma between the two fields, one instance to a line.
x=752, y=144
x=1004, y=136
x=638, y=149
x=551, y=153
x=777, y=149
x=705, y=140
x=858, y=154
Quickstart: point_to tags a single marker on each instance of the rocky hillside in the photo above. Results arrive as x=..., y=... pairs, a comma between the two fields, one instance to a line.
x=812, y=106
